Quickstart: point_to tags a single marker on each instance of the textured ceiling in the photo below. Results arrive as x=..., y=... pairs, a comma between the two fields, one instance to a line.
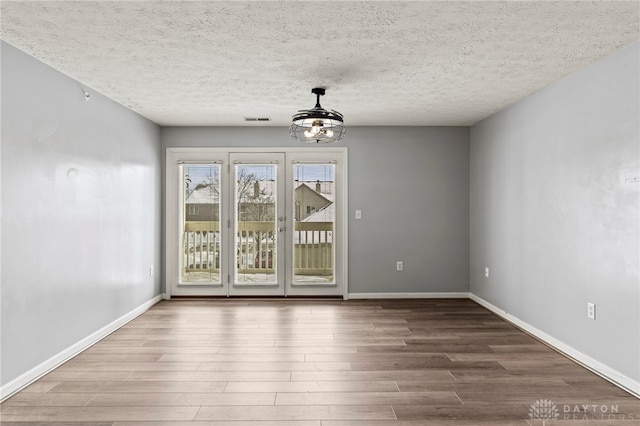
x=383, y=63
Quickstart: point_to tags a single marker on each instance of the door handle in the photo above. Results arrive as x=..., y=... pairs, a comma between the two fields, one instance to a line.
x=281, y=229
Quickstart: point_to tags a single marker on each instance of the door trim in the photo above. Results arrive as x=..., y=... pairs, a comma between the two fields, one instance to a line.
x=270, y=289
x=176, y=154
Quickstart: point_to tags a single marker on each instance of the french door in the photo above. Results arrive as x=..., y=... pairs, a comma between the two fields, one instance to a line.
x=249, y=223
x=258, y=224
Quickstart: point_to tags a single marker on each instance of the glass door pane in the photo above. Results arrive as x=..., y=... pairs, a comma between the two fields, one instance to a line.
x=314, y=211
x=200, y=243
x=256, y=226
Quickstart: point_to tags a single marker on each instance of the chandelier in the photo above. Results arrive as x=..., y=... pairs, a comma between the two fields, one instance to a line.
x=317, y=125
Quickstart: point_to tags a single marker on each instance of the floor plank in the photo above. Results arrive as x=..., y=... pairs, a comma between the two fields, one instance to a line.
x=180, y=399
x=93, y=414
x=223, y=423
x=290, y=413
x=289, y=387
x=28, y=399
x=367, y=398
x=128, y=387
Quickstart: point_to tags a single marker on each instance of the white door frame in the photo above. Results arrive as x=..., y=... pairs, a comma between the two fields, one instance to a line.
x=173, y=198
x=277, y=288
x=176, y=156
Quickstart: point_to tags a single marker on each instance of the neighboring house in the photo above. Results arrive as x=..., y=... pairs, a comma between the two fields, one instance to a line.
x=308, y=201
x=313, y=236
x=203, y=203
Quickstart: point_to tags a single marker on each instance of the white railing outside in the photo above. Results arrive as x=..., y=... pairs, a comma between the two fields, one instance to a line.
x=255, y=247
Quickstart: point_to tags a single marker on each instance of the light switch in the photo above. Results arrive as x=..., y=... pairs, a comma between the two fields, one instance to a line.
x=358, y=214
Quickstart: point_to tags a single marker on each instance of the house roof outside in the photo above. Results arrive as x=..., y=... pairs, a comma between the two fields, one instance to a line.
x=326, y=189
x=205, y=193
x=327, y=214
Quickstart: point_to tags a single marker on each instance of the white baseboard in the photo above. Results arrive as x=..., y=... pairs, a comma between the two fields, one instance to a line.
x=434, y=295
x=40, y=370
x=597, y=367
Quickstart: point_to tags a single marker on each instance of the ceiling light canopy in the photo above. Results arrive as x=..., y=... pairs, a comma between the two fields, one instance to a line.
x=317, y=125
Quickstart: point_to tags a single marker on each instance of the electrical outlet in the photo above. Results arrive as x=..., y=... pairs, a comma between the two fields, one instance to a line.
x=591, y=311
x=486, y=271
x=399, y=265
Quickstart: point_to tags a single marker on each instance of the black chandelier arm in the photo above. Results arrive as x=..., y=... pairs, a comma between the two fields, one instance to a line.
x=318, y=91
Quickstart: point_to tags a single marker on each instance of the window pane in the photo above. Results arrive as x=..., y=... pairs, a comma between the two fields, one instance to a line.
x=201, y=224
x=255, y=212
x=314, y=213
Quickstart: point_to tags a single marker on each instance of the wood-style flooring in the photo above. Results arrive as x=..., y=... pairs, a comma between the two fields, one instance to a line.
x=312, y=362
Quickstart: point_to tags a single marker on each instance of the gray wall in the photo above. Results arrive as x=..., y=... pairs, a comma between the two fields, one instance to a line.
x=80, y=212
x=551, y=216
x=412, y=185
